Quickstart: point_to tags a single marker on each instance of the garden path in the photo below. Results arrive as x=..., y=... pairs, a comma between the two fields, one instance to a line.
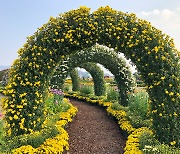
x=94, y=132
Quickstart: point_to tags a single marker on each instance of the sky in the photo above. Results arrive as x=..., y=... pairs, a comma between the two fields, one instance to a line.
x=21, y=18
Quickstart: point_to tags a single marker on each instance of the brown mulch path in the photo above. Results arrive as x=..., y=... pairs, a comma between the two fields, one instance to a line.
x=94, y=132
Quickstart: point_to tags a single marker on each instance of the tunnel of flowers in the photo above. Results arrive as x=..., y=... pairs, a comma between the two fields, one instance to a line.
x=79, y=38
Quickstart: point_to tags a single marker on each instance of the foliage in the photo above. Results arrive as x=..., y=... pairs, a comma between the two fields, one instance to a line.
x=58, y=94
x=138, y=104
x=55, y=103
x=86, y=90
x=149, y=145
x=110, y=80
x=95, y=71
x=98, y=78
x=112, y=95
x=55, y=144
x=94, y=97
x=139, y=81
x=149, y=49
x=160, y=149
x=34, y=139
x=1, y=132
x=132, y=143
x=51, y=145
x=67, y=88
x=137, y=121
x=139, y=108
x=117, y=106
x=97, y=75
x=147, y=138
x=75, y=79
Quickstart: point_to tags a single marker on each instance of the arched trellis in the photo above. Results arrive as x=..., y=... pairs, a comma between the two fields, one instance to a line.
x=57, y=81
x=94, y=70
x=97, y=76
x=152, y=52
x=105, y=56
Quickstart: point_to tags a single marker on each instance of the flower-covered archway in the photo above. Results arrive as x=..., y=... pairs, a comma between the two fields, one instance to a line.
x=95, y=71
x=115, y=63
x=97, y=76
x=152, y=52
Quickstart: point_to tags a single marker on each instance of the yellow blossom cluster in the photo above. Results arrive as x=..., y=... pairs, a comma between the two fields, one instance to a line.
x=120, y=115
x=56, y=144
x=132, y=143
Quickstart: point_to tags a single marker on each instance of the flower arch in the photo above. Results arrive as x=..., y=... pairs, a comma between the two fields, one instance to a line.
x=97, y=76
x=95, y=71
x=152, y=51
x=109, y=59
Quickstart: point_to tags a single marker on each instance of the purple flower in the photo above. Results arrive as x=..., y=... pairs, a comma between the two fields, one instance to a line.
x=57, y=92
x=1, y=115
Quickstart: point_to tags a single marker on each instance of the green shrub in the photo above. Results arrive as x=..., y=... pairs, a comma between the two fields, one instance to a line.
x=67, y=88
x=1, y=133
x=160, y=149
x=86, y=90
x=35, y=139
x=138, y=113
x=54, y=104
x=94, y=97
x=117, y=106
x=138, y=104
x=73, y=92
x=112, y=95
x=149, y=145
x=138, y=121
x=147, y=139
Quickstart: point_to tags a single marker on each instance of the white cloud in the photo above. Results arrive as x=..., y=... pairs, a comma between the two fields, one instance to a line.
x=165, y=14
x=166, y=20
x=178, y=9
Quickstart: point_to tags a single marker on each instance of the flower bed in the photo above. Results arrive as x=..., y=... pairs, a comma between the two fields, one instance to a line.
x=56, y=144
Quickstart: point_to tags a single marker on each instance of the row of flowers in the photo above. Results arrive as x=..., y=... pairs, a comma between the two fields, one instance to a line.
x=57, y=144
x=132, y=143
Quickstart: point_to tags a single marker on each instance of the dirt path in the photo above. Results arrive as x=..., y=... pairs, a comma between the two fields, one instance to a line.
x=94, y=132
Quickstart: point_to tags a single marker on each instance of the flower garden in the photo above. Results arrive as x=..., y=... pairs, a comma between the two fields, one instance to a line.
x=36, y=109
